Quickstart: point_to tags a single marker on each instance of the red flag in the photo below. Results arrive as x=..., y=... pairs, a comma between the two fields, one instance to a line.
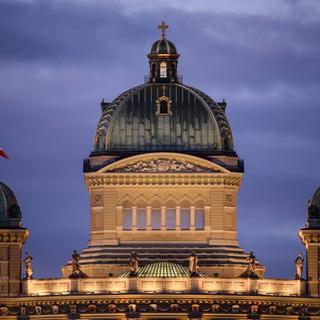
x=3, y=154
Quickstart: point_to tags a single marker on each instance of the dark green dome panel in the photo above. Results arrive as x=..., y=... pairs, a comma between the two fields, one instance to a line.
x=10, y=214
x=314, y=210
x=163, y=46
x=132, y=122
x=188, y=127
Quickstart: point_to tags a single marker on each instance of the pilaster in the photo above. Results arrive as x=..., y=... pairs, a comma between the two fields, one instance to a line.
x=11, y=241
x=311, y=239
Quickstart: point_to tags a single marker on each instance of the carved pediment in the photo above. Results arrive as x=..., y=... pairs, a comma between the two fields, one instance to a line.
x=164, y=163
x=161, y=165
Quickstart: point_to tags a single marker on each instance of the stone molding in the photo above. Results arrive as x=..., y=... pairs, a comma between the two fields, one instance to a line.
x=168, y=284
x=310, y=236
x=13, y=235
x=158, y=168
x=94, y=179
x=158, y=306
x=180, y=160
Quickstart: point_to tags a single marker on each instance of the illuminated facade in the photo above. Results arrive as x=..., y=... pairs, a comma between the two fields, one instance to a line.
x=163, y=179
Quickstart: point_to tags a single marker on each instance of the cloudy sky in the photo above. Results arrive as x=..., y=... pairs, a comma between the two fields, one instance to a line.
x=58, y=59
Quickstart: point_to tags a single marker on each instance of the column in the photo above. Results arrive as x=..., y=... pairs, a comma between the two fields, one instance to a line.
x=178, y=209
x=207, y=217
x=163, y=218
x=310, y=237
x=192, y=218
x=149, y=225
x=134, y=218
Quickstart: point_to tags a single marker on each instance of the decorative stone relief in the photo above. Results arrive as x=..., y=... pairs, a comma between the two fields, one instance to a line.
x=97, y=199
x=162, y=165
x=132, y=308
x=229, y=199
x=4, y=311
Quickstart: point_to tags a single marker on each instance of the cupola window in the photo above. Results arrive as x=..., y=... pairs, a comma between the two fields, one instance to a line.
x=164, y=106
x=163, y=70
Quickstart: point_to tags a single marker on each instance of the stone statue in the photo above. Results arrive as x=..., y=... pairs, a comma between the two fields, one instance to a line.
x=76, y=271
x=28, y=266
x=251, y=268
x=299, y=266
x=252, y=263
x=134, y=263
x=75, y=262
x=193, y=264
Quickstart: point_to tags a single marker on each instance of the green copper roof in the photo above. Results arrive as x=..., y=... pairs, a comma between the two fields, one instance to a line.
x=163, y=269
x=132, y=121
x=10, y=213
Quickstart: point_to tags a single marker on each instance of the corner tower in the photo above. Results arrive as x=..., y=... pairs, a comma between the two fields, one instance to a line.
x=163, y=177
x=12, y=237
x=310, y=237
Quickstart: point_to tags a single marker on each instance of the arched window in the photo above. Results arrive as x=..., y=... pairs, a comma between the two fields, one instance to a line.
x=141, y=219
x=164, y=106
x=199, y=218
x=127, y=219
x=156, y=214
x=170, y=218
x=156, y=218
x=185, y=218
x=163, y=70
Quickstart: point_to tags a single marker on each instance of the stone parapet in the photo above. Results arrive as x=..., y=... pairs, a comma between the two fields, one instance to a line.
x=275, y=287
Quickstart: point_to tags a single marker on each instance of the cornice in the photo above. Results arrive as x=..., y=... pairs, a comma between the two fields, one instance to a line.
x=310, y=236
x=157, y=304
x=201, y=179
x=14, y=235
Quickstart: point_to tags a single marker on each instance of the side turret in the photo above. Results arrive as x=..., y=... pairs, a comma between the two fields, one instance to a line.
x=12, y=238
x=310, y=237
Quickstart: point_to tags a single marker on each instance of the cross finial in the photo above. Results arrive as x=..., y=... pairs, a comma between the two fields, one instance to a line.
x=163, y=26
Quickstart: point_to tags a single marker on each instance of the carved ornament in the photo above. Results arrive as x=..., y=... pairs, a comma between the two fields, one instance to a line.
x=193, y=306
x=162, y=165
x=95, y=180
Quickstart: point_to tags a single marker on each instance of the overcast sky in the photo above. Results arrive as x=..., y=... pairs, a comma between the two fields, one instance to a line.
x=58, y=59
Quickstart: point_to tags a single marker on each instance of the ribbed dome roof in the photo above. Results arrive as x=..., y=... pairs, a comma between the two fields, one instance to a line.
x=315, y=200
x=163, y=46
x=194, y=123
x=314, y=210
x=10, y=214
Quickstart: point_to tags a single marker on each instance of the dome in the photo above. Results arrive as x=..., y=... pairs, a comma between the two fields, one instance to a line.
x=163, y=114
x=163, y=46
x=315, y=200
x=314, y=210
x=163, y=117
x=10, y=214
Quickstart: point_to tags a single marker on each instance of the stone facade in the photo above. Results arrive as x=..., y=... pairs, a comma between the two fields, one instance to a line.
x=163, y=180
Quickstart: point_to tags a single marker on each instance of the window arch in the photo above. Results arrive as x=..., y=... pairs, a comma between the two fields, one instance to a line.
x=127, y=215
x=164, y=106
